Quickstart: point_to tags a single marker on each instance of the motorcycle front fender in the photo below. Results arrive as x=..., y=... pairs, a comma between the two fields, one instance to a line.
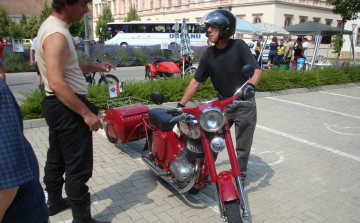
x=227, y=186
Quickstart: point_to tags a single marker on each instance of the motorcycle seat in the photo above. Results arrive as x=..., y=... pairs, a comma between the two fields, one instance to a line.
x=175, y=60
x=159, y=118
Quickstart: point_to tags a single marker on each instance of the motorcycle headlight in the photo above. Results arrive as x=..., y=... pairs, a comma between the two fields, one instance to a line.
x=212, y=119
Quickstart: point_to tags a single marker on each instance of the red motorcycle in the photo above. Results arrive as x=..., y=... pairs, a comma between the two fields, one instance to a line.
x=183, y=145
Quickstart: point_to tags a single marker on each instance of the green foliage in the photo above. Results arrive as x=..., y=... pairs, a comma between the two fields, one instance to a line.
x=45, y=12
x=31, y=27
x=132, y=14
x=174, y=88
x=5, y=22
x=78, y=28
x=337, y=43
x=23, y=22
x=31, y=107
x=15, y=30
x=16, y=62
x=103, y=20
x=347, y=9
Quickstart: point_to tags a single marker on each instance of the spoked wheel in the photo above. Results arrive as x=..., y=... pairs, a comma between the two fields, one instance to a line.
x=148, y=74
x=108, y=79
x=233, y=212
x=110, y=138
x=191, y=70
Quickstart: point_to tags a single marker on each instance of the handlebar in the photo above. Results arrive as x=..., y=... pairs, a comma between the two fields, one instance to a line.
x=173, y=111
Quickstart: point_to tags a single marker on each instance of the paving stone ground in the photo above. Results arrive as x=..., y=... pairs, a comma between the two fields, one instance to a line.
x=304, y=167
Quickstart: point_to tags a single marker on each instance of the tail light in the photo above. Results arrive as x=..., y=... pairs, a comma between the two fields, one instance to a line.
x=102, y=115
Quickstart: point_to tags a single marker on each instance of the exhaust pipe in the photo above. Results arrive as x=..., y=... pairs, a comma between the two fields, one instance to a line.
x=164, y=175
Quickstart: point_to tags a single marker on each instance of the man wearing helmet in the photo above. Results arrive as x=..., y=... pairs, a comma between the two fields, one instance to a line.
x=223, y=63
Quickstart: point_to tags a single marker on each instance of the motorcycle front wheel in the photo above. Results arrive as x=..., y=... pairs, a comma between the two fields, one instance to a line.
x=108, y=79
x=233, y=212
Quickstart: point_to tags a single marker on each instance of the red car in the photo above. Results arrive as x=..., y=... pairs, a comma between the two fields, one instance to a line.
x=161, y=68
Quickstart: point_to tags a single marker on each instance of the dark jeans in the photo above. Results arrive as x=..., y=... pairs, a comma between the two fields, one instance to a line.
x=243, y=115
x=70, y=151
x=257, y=57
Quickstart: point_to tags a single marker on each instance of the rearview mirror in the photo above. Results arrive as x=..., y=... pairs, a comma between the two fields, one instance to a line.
x=247, y=70
x=157, y=97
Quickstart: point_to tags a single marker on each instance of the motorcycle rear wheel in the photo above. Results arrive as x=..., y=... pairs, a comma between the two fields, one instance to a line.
x=110, y=79
x=233, y=212
x=110, y=138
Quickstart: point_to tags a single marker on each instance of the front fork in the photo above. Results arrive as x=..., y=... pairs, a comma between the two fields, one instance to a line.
x=234, y=166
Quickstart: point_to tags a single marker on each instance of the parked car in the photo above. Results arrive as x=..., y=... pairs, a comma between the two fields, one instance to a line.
x=252, y=48
x=82, y=42
x=27, y=43
x=265, y=57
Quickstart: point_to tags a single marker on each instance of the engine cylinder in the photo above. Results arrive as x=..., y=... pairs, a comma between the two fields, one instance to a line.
x=182, y=170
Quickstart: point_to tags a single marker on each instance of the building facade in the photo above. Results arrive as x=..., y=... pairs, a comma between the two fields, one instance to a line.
x=353, y=25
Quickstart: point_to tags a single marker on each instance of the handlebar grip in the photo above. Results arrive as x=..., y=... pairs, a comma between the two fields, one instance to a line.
x=172, y=111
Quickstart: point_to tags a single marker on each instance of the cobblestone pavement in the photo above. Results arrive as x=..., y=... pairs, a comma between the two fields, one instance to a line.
x=304, y=167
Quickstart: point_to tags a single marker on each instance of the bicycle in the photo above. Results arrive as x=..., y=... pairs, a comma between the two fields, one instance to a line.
x=104, y=78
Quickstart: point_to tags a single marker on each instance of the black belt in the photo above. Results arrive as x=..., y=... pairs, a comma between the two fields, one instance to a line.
x=51, y=95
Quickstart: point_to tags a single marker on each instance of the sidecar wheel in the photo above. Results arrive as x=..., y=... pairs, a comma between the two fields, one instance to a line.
x=111, y=139
x=233, y=212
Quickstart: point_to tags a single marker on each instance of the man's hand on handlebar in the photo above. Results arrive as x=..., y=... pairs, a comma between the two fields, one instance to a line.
x=180, y=105
x=247, y=92
x=105, y=67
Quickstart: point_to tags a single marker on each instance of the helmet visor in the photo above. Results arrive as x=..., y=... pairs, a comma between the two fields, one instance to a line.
x=216, y=18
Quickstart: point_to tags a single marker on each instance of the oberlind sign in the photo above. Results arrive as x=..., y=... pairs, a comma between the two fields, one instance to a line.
x=193, y=36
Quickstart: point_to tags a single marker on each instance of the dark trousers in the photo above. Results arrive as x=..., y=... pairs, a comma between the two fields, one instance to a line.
x=243, y=115
x=257, y=57
x=70, y=151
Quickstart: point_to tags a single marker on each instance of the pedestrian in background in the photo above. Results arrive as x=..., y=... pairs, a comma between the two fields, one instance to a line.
x=22, y=198
x=3, y=76
x=280, y=50
x=289, y=49
x=258, y=48
x=34, y=62
x=298, y=49
x=273, y=50
x=305, y=46
x=70, y=116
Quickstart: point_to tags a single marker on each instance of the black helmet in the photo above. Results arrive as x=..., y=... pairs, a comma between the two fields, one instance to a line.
x=222, y=18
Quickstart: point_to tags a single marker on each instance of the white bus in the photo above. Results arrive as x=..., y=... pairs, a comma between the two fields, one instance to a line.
x=145, y=33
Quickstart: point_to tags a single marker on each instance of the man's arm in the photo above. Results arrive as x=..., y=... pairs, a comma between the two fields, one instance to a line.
x=6, y=198
x=55, y=62
x=190, y=91
x=32, y=62
x=92, y=67
x=255, y=79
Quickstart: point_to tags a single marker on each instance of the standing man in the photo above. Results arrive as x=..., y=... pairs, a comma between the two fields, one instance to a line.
x=258, y=48
x=281, y=50
x=288, y=51
x=223, y=66
x=34, y=62
x=22, y=198
x=305, y=45
x=70, y=116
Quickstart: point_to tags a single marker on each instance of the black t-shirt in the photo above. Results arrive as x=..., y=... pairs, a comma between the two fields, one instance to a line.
x=224, y=66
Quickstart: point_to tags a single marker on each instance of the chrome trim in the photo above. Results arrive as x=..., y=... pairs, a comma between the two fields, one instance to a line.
x=189, y=126
x=208, y=109
x=220, y=204
x=170, y=180
x=207, y=102
x=106, y=124
x=218, y=144
x=242, y=197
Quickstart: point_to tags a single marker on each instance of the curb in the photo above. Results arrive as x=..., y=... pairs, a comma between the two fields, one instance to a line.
x=35, y=123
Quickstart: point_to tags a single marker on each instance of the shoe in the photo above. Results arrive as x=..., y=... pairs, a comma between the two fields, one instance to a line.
x=82, y=213
x=56, y=203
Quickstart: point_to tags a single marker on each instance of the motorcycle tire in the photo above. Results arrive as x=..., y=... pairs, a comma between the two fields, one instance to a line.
x=191, y=70
x=111, y=139
x=233, y=213
x=109, y=79
x=148, y=74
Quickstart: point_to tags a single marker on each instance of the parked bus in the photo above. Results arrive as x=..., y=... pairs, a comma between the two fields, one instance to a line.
x=145, y=33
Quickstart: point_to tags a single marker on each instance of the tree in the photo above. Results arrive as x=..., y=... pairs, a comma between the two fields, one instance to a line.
x=132, y=15
x=78, y=28
x=347, y=9
x=15, y=30
x=337, y=43
x=31, y=27
x=23, y=21
x=45, y=12
x=103, y=20
x=5, y=22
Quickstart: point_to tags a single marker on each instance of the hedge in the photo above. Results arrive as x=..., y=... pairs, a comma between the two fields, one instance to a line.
x=174, y=88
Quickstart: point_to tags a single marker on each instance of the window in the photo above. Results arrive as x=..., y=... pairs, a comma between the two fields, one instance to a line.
x=287, y=21
x=109, y=6
x=357, y=40
x=100, y=9
x=257, y=20
x=339, y=25
x=96, y=8
x=179, y=2
x=316, y=20
x=169, y=3
x=302, y=20
x=143, y=4
x=129, y=5
x=328, y=23
x=159, y=3
x=151, y=4
x=124, y=6
x=137, y=4
x=115, y=7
